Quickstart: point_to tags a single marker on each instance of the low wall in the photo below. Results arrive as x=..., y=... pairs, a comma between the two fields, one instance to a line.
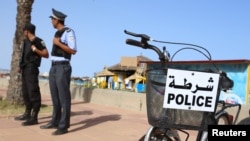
x=123, y=99
x=118, y=98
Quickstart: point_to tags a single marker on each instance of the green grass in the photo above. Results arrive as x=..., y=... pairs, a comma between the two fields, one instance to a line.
x=8, y=109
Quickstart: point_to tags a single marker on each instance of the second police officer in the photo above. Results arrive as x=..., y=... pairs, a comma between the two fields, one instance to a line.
x=33, y=49
x=64, y=45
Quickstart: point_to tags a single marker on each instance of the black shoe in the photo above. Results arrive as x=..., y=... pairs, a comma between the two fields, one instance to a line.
x=48, y=126
x=30, y=121
x=60, y=131
x=25, y=116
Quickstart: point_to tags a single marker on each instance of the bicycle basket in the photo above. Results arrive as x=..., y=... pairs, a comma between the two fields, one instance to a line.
x=166, y=117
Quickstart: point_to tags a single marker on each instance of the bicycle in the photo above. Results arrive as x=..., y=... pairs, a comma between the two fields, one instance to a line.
x=166, y=122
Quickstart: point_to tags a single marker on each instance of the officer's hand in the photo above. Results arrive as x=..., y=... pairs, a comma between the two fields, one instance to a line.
x=33, y=48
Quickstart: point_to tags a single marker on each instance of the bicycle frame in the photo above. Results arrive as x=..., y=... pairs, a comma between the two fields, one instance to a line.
x=222, y=111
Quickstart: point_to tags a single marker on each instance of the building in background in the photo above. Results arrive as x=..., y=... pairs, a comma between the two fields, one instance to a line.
x=125, y=75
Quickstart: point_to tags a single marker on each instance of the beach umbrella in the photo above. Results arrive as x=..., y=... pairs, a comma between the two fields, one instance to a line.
x=105, y=72
x=136, y=77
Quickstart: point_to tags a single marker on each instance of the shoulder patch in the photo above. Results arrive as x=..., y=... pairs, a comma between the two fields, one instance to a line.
x=68, y=30
x=43, y=43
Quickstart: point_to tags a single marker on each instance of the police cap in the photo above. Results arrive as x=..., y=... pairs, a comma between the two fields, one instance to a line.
x=58, y=15
x=30, y=27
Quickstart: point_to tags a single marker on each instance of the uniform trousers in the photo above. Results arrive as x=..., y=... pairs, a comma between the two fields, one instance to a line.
x=30, y=88
x=59, y=82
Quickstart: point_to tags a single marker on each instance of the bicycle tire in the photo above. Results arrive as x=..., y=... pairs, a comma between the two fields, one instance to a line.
x=158, y=134
x=244, y=121
x=223, y=119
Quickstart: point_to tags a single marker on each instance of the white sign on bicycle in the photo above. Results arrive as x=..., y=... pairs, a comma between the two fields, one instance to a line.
x=191, y=90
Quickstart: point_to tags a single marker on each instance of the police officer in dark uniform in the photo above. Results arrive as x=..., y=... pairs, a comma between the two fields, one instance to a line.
x=33, y=49
x=64, y=45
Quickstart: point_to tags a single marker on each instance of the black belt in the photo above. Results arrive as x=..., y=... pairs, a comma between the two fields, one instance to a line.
x=60, y=63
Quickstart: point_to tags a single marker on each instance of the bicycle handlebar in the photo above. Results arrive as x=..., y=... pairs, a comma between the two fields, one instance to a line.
x=143, y=36
x=145, y=45
x=135, y=43
x=227, y=83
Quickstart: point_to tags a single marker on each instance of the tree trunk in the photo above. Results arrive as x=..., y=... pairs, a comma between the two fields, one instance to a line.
x=14, y=92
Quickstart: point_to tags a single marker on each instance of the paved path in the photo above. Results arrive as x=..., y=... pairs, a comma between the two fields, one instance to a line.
x=89, y=122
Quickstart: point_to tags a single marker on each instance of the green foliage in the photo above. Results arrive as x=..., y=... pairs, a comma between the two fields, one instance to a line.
x=6, y=108
x=10, y=109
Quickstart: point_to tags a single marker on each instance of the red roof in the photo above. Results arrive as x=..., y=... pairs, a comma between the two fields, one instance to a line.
x=239, y=61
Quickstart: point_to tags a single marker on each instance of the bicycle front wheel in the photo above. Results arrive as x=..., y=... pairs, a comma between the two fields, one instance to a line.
x=159, y=134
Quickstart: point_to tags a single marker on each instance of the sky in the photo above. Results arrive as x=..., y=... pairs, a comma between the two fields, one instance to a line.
x=221, y=26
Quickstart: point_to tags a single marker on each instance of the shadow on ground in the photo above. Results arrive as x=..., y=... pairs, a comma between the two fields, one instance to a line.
x=95, y=121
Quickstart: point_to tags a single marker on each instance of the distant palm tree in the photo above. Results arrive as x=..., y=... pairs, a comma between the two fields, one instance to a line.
x=14, y=93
